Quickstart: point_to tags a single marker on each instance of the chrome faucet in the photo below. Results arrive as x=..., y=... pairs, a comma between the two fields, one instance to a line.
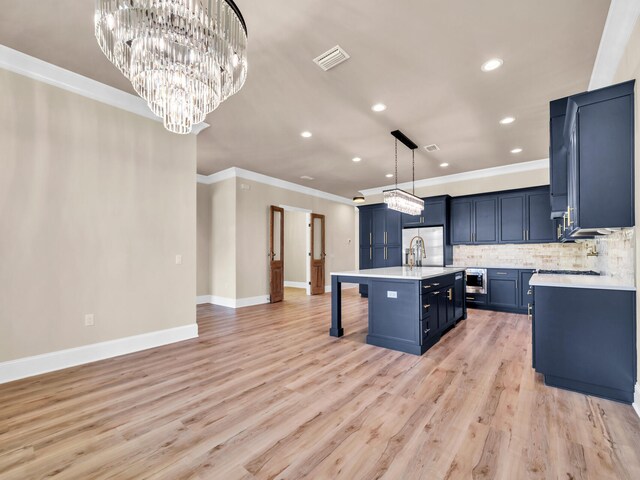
x=420, y=244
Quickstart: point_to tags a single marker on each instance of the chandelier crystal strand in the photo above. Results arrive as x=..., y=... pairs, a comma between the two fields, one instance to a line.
x=183, y=59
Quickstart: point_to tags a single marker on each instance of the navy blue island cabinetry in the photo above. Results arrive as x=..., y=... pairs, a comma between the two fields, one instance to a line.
x=409, y=309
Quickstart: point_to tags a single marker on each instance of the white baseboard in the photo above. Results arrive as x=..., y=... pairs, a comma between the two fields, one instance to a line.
x=295, y=284
x=636, y=398
x=232, y=302
x=49, y=362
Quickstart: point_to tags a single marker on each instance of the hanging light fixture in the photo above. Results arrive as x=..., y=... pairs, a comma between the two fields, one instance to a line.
x=182, y=58
x=398, y=199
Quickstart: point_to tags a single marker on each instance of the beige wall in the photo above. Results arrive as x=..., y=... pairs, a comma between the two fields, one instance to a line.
x=252, y=215
x=95, y=204
x=295, y=246
x=629, y=69
x=224, y=245
x=203, y=240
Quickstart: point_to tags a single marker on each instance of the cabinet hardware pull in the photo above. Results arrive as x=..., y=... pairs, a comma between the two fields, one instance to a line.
x=529, y=292
x=427, y=330
x=370, y=253
x=385, y=238
x=385, y=253
x=524, y=235
x=470, y=298
x=427, y=305
x=501, y=273
x=370, y=238
x=435, y=284
x=435, y=293
x=426, y=286
x=450, y=294
x=529, y=312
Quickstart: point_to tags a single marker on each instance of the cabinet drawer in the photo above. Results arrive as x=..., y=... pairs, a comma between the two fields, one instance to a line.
x=503, y=273
x=427, y=306
x=426, y=330
x=476, y=299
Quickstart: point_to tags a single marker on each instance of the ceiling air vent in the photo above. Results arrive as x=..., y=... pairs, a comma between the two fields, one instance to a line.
x=331, y=58
x=432, y=148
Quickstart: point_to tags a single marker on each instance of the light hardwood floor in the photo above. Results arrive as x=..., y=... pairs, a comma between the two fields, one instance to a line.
x=265, y=392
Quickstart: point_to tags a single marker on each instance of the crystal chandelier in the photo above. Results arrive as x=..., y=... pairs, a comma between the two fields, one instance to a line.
x=182, y=58
x=398, y=199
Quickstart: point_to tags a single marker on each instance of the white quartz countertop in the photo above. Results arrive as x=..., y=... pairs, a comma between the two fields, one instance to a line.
x=402, y=273
x=597, y=282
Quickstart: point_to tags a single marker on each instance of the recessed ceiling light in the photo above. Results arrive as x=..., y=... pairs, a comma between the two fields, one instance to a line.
x=492, y=64
x=306, y=177
x=445, y=164
x=306, y=134
x=389, y=175
x=358, y=199
x=379, y=107
x=507, y=120
x=356, y=159
x=516, y=150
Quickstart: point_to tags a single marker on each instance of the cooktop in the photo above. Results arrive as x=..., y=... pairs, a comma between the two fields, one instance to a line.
x=568, y=272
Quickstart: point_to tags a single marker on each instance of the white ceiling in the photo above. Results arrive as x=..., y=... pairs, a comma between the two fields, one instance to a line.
x=420, y=57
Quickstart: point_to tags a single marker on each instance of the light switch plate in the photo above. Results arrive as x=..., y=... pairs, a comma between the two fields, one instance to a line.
x=89, y=320
x=392, y=294
x=178, y=259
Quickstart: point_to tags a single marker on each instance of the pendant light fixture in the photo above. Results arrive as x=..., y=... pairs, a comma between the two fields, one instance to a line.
x=398, y=199
x=182, y=57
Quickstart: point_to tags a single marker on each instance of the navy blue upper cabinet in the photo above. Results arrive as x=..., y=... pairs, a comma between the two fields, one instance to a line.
x=539, y=226
x=557, y=157
x=461, y=220
x=393, y=227
x=512, y=228
x=366, y=232
x=433, y=215
x=485, y=219
x=599, y=133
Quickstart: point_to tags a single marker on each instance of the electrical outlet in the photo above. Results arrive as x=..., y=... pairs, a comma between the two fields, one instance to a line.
x=178, y=259
x=89, y=320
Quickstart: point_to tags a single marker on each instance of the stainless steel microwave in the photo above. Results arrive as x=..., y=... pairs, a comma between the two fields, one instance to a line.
x=477, y=280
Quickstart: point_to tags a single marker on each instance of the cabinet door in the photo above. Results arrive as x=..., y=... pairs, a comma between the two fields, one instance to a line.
x=393, y=226
x=378, y=221
x=394, y=256
x=435, y=212
x=540, y=227
x=366, y=257
x=461, y=221
x=379, y=256
x=558, y=157
x=442, y=309
x=503, y=290
x=459, y=297
x=512, y=218
x=526, y=298
x=605, y=164
x=412, y=220
x=485, y=219
x=366, y=234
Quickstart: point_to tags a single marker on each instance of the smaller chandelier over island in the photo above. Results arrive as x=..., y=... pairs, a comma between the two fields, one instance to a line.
x=182, y=58
x=396, y=198
x=402, y=201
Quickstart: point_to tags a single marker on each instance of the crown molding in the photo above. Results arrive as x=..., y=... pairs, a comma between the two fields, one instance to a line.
x=235, y=172
x=621, y=20
x=36, y=69
x=472, y=175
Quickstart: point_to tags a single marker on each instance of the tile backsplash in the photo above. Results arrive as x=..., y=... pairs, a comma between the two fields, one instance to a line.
x=616, y=255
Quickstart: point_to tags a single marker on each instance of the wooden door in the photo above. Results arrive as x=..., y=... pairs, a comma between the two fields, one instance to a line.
x=276, y=254
x=318, y=254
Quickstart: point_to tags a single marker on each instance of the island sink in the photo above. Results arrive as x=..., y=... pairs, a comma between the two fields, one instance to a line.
x=409, y=308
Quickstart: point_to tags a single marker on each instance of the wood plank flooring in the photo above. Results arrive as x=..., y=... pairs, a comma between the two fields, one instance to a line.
x=266, y=393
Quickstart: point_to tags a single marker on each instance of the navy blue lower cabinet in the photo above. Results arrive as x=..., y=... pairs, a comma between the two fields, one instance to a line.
x=502, y=288
x=585, y=340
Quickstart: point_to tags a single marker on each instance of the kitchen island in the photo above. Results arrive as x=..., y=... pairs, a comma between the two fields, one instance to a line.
x=409, y=308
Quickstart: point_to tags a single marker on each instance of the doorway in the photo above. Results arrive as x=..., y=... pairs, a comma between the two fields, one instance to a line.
x=296, y=239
